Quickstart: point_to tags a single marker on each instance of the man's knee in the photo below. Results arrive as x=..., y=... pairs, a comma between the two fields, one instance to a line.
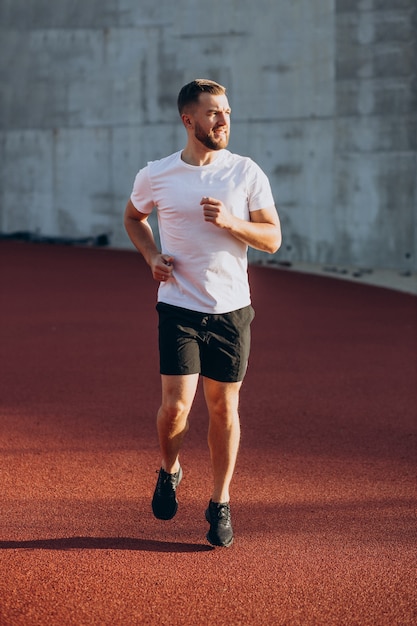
x=222, y=400
x=173, y=410
x=178, y=394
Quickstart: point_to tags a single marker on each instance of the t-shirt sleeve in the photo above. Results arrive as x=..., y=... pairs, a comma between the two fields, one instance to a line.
x=259, y=189
x=141, y=195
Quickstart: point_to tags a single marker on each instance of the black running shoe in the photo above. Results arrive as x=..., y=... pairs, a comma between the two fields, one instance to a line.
x=221, y=531
x=164, y=501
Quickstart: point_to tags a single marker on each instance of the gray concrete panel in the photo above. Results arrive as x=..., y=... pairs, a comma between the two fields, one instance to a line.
x=323, y=93
x=27, y=182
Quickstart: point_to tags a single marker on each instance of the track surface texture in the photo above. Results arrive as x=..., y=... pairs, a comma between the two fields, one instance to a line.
x=324, y=495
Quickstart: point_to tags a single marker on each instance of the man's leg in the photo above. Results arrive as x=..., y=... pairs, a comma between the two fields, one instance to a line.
x=223, y=438
x=224, y=433
x=172, y=421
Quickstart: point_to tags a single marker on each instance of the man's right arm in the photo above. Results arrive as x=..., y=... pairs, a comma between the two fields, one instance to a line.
x=141, y=235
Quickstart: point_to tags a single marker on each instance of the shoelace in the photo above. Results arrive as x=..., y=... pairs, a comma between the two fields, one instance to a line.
x=223, y=514
x=167, y=480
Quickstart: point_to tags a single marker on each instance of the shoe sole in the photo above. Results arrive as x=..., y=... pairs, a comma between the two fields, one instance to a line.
x=219, y=545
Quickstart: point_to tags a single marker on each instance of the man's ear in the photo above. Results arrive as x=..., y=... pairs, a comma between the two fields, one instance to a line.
x=186, y=120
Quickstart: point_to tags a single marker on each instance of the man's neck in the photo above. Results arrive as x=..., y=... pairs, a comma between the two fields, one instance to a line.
x=196, y=157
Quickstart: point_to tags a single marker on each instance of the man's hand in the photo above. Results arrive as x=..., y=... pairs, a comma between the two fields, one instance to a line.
x=215, y=212
x=162, y=266
x=262, y=231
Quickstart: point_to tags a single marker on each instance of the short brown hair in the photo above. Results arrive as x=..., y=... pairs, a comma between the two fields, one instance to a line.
x=190, y=93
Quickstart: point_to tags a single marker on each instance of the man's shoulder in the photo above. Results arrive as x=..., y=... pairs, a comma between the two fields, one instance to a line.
x=160, y=165
x=239, y=159
x=245, y=164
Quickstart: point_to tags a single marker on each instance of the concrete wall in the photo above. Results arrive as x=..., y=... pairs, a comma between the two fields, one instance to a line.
x=323, y=92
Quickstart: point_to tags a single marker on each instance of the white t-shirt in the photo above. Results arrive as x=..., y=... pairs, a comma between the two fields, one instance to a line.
x=210, y=265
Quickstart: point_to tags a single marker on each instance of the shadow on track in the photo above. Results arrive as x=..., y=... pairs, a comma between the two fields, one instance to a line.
x=104, y=543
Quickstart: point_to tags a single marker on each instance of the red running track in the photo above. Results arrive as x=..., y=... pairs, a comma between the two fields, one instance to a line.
x=324, y=496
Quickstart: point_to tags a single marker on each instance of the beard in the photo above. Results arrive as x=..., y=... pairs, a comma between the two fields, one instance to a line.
x=209, y=140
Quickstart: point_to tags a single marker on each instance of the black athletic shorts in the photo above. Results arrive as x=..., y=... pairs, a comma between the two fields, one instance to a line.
x=213, y=345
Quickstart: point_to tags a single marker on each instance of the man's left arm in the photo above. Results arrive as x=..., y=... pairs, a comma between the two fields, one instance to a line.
x=262, y=232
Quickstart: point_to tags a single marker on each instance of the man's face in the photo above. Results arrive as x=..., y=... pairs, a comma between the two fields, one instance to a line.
x=211, y=121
